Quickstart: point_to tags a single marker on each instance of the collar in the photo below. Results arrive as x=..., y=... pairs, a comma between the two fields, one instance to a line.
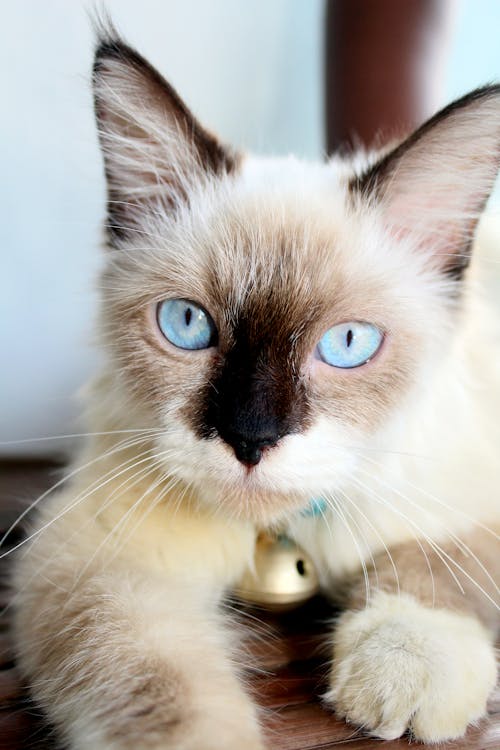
x=317, y=507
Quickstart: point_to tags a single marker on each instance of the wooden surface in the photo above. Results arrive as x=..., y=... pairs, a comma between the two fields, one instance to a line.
x=287, y=659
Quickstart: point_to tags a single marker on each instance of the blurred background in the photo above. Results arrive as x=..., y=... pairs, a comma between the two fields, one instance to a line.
x=253, y=72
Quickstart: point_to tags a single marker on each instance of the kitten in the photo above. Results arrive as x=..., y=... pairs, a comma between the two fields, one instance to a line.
x=275, y=331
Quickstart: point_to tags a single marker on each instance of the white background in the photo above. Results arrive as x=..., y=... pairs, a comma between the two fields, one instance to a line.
x=250, y=70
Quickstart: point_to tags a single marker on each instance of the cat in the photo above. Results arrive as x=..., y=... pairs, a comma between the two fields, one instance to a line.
x=274, y=331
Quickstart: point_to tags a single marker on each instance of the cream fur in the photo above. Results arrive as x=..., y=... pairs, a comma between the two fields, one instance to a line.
x=117, y=621
x=398, y=665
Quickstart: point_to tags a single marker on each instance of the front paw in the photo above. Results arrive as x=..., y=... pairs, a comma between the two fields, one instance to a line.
x=198, y=732
x=206, y=714
x=210, y=733
x=399, y=665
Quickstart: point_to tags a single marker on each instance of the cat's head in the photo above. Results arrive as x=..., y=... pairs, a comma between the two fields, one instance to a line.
x=272, y=318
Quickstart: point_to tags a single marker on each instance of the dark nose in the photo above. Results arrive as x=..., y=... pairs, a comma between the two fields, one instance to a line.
x=248, y=449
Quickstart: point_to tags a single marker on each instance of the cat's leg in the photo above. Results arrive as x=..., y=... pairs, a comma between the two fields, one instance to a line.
x=132, y=662
x=118, y=630
x=419, y=653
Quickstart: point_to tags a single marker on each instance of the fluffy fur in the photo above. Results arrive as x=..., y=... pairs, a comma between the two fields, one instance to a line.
x=117, y=621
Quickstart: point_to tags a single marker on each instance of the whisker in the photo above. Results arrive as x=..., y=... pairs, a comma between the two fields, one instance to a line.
x=393, y=564
x=442, y=554
x=121, y=523
x=333, y=505
x=412, y=523
x=72, y=435
x=115, y=449
x=379, y=537
x=458, y=542
x=441, y=502
x=72, y=505
x=115, y=494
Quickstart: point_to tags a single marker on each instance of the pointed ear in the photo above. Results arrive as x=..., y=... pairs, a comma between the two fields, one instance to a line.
x=434, y=185
x=154, y=150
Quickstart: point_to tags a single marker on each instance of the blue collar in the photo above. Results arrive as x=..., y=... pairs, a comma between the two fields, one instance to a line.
x=316, y=507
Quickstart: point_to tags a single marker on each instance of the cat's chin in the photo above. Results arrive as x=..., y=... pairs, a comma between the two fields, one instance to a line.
x=262, y=494
x=280, y=486
x=251, y=500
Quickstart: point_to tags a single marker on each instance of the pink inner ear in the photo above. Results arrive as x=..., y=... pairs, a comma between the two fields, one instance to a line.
x=440, y=217
x=433, y=187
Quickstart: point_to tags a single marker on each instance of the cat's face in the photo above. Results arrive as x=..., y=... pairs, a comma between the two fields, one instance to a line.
x=270, y=318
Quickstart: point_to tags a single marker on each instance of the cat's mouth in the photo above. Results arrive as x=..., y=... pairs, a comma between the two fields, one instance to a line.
x=253, y=499
x=283, y=481
x=261, y=492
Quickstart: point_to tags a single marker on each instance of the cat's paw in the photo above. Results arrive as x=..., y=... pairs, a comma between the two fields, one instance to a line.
x=399, y=666
x=222, y=719
x=212, y=735
x=201, y=732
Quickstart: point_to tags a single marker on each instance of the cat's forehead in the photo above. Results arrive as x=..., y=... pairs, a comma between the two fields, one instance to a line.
x=282, y=238
x=279, y=223
x=282, y=241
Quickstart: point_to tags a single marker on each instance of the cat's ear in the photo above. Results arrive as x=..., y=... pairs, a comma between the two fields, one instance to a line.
x=435, y=184
x=154, y=149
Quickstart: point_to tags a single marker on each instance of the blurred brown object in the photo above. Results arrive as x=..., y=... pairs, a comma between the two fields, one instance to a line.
x=385, y=61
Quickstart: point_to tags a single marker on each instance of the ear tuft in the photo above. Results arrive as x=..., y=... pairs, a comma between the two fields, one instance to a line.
x=435, y=184
x=155, y=151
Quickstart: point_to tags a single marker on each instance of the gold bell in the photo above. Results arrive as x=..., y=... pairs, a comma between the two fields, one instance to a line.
x=283, y=576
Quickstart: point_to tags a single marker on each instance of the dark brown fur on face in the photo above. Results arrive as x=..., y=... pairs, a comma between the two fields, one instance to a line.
x=255, y=392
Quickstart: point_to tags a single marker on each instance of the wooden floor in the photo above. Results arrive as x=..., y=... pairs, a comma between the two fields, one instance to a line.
x=287, y=657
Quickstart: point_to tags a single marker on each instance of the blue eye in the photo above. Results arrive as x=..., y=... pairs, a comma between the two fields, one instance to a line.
x=186, y=324
x=350, y=344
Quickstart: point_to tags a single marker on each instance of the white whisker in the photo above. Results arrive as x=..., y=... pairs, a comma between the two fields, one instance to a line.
x=124, y=445
x=335, y=507
x=457, y=541
x=437, y=549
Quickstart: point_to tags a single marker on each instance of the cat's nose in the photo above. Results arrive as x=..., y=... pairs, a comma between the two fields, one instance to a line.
x=248, y=450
